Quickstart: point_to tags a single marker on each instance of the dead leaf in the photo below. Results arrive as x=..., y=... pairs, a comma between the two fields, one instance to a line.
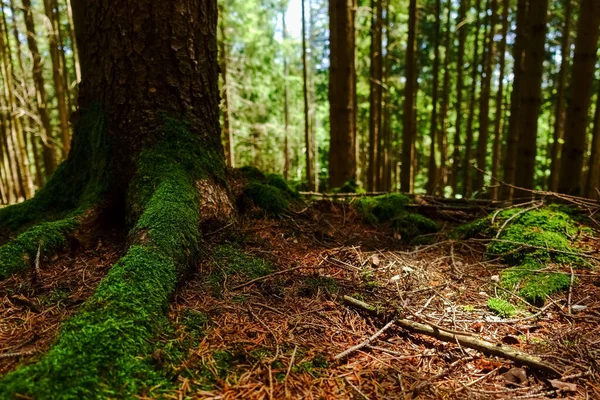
x=515, y=376
x=563, y=386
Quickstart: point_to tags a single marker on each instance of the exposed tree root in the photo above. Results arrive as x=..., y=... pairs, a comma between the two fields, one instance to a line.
x=103, y=352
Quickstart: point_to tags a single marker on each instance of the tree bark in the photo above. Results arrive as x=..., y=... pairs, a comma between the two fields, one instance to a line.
x=286, y=112
x=408, y=142
x=376, y=96
x=484, y=100
x=514, y=123
x=432, y=171
x=227, y=134
x=462, y=37
x=308, y=133
x=49, y=155
x=467, y=176
x=73, y=39
x=342, y=93
x=560, y=111
x=582, y=78
x=498, y=128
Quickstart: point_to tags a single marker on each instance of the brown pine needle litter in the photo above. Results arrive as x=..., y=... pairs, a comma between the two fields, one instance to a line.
x=263, y=317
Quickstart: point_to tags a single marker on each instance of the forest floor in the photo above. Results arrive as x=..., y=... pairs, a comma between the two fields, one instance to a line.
x=263, y=315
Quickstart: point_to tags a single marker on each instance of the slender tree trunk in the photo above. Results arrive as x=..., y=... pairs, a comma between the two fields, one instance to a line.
x=592, y=186
x=11, y=165
x=376, y=96
x=342, y=93
x=514, y=123
x=308, y=134
x=560, y=112
x=73, y=39
x=15, y=132
x=443, y=136
x=462, y=37
x=531, y=98
x=578, y=107
x=227, y=134
x=56, y=24
x=498, y=128
x=286, y=117
x=484, y=100
x=387, y=158
x=408, y=142
x=59, y=81
x=432, y=171
x=468, y=179
x=49, y=155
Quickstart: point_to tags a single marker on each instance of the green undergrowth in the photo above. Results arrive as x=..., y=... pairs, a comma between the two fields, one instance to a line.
x=269, y=193
x=501, y=307
x=102, y=351
x=53, y=215
x=530, y=243
x=232, y=260
x=392, y=209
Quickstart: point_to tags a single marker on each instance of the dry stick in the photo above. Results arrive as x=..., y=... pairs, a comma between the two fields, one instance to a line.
x=359, y=346
x=20, y=354
x=485, y=347
x=465, y=386
x=285, y=271
x=570, y=290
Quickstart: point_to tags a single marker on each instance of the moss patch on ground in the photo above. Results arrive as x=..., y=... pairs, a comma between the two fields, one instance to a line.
x=232, y=260
x=101, y=352
x=270, y=193
x=529, y=242
x=392, y=209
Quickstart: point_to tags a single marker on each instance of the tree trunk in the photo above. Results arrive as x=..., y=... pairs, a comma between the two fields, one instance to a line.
x=462, y=37
x=560, y=112
x=592, y=186
x=514, y=123
x=432, y=171
x=286, y=117
x=388, y=158
x=227, y=134
x=342, y=93
x=73, y=39
x=59, y=81
x=443, y=137
x=49, y=155
x=376, y=96
x=498, y=128
x=408, y=142
x=582, y=78
x=484, y=101
x=308, y=133
x=467, y=175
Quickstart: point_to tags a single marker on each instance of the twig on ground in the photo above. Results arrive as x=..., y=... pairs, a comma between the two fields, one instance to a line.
x=359, y=346
x=514, y=216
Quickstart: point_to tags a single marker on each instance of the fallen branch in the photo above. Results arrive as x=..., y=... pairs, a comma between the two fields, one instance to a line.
x=359, y=346
x=483, y=346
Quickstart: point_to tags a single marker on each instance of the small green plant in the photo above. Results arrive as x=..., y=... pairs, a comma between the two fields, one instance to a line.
x=501, y=307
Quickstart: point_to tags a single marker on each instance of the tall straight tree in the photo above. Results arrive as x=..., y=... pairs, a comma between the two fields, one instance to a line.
x=227, y=133
x=498, y=128
x=443, y=132
x=432, y=171
x=514, y=123
x=376, y=96
x=408, y=121
x=467, y=176
x=582, y=77
x=342, y=92
x=560, y=111
x=531, y=95
x=286, y=107
x=308, y=133
x=484, y=100
x=460, y=62
x=592, y=184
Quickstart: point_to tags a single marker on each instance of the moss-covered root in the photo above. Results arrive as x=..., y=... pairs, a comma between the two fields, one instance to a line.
x=103, y=352
x=45, y=238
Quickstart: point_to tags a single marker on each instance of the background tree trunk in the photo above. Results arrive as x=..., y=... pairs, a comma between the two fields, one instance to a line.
x=462, y=37
x=484, y=100
x=286, y=113
x=592, y=186
x=376, y=96
x=342, y=93
x=514, y=123
x=582, y=78
x=432, y=172
x=443, y=133
x=560, y=113
x=227, y=134
x=408, y=142
x=308, y=132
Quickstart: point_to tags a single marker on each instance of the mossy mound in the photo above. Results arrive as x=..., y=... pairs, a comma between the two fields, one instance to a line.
x=392, y=209
x=269, y=193
x=530, y=241
x=232, y=260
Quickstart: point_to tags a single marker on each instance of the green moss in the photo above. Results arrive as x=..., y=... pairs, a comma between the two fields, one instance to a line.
x=266, y=197
x=411, y=226
x=102, y=351
x=195, y=322
x=278, y=182
x=528, y=242
x=501, y=307
x=315, y=283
